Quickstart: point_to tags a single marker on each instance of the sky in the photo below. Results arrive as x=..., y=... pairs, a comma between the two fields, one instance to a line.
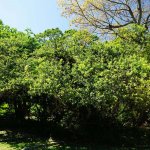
x=37, y=15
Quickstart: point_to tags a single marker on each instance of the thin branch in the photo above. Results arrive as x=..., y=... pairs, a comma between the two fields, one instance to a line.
x=140, y=11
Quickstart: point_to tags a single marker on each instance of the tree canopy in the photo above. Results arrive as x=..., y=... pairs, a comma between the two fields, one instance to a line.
x=105, y=16
x=72, y=77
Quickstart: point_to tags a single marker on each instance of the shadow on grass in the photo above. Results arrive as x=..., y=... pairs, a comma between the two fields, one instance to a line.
x=34, y=136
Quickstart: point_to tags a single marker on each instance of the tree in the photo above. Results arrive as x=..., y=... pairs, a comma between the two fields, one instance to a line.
x=105, y=16
x=90, y=78
x=15, y=48
x=73, y=79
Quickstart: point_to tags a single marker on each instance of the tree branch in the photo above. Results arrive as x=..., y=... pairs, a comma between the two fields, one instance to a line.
x=140, y=11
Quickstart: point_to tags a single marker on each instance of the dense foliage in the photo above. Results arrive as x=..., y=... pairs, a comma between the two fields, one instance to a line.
x=73, y=80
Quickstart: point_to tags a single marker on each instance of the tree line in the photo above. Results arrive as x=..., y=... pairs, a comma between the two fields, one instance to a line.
x=73, y=79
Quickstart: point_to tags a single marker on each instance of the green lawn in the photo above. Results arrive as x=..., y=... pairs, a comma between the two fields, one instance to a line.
x=28, y=146
x=17, y=140
x=5, y=146
x=34, y=146
x=14, y=140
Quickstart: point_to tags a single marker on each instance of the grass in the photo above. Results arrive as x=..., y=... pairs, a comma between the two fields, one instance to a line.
x=18, y=140
x=5, y=146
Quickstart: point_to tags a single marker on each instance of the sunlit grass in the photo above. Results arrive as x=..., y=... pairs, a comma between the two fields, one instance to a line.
x=5, y=146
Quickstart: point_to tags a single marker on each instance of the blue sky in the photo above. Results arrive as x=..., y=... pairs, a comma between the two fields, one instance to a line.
x=36, y=15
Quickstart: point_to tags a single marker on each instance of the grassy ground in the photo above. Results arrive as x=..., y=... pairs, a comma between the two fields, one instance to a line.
x=5, y=146
x=17, y=140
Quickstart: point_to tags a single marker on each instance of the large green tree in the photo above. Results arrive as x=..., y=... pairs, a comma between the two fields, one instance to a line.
x=74, y=79
x=15, y=49
x=78, y=71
